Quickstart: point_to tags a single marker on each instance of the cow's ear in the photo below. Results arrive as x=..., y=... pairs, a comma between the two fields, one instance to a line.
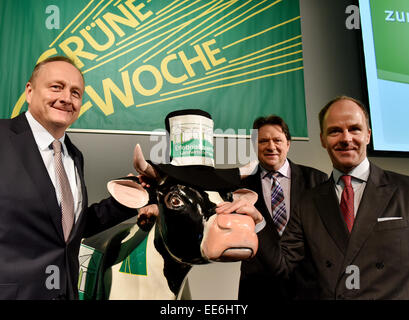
x=245, y=194
x=128, y=192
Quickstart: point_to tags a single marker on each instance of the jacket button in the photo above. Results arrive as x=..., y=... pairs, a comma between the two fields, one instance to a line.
x=328, y=264
x=379, y=265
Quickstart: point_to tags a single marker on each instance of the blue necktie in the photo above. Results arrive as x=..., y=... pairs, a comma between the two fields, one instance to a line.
x=278, y=204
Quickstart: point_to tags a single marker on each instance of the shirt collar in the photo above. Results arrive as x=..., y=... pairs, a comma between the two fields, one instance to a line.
x=360, y=172
x=42, y=137
x=284, y=170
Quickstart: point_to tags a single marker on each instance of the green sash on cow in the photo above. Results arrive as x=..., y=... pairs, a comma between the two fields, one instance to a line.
x=106, y=249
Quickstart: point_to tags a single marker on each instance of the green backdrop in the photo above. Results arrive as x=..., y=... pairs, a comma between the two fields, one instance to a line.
x=236, y=59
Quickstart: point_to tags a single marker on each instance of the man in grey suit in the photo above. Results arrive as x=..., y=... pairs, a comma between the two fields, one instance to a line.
x=273, y=143
x=39, y=245
x=354, y=227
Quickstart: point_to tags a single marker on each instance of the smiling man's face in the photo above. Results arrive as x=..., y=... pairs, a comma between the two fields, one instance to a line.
x=345, y=135
x=273, y=147
x=54, y=96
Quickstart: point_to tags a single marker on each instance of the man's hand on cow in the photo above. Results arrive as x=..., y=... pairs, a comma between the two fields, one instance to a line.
x=144, y=181
x=240, y=206
x=147, y=216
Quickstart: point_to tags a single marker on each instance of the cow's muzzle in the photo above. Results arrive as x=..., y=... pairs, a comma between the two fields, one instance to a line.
x=229, y=237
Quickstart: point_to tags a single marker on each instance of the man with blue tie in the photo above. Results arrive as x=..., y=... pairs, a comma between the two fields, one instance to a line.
x=354, y=227
x=279, y=183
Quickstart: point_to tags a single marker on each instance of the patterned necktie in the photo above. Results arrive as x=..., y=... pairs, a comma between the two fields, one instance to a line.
x=278, y=205
x=347, y=202
x=63, y=186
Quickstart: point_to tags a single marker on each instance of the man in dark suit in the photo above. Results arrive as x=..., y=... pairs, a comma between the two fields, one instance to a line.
x=38, y=255
x=354, y=227
x=273, y=143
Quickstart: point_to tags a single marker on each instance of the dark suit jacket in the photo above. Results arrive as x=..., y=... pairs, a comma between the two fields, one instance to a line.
x=376, y=250
x=31, y=236
x=256, y=280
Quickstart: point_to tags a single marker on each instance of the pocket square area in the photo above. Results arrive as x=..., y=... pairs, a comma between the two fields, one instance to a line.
x=389, y=219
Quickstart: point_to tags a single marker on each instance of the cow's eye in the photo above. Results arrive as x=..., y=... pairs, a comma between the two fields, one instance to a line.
x=176, y=202
x=173, y=201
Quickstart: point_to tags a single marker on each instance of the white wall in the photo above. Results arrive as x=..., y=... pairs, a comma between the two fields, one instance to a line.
x=332, y=68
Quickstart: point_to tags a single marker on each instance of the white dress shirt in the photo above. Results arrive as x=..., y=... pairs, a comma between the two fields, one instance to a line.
x=44, y=139
x=359, y=179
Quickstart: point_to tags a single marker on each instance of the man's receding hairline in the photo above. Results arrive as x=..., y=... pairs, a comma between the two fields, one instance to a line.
x=41, y=66
x=49, y=60
x=328, y=106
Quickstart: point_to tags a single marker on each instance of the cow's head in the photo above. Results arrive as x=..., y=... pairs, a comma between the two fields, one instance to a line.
x=188, y=225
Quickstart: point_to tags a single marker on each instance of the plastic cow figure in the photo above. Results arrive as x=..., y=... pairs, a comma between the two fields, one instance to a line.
x=177, y=227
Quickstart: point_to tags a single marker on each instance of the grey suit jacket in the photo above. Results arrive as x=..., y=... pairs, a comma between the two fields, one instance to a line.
x=370, y=263
x=35, y=261
x=256, y=279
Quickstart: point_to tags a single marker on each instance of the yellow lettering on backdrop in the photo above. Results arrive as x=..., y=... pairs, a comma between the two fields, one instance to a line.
x=199, y=58
x=137, y=83
x=137, y=10
x=77, y=52
x=109, y=86
x=211, y=53
x=112, y=20
x=165, y=71
x=126, y=97
x=85, y=107
x=110, y=24
x=92, y=41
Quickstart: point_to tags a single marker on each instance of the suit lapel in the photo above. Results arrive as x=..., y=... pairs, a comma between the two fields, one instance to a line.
x=254, y=183
x=27, y=151
x=262, y=202
x=326, y=202
x=376, y=197
x=297, y=185
x=75, y=155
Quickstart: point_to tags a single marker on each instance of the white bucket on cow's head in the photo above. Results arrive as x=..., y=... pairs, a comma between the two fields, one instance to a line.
x=191, y=140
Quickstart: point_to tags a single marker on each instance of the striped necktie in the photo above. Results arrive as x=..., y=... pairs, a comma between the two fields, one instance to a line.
x=63, y=186
x=347, y=202
x=277, y=204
